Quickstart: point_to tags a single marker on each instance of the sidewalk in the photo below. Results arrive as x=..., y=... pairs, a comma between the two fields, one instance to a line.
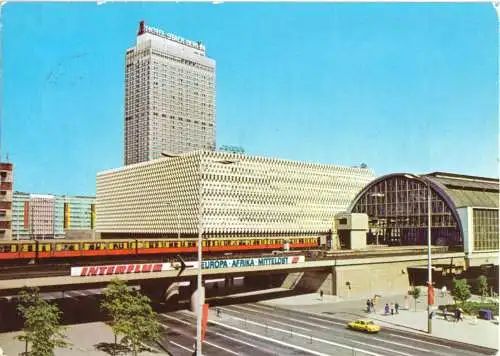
x=91, y=339
x=484, y=333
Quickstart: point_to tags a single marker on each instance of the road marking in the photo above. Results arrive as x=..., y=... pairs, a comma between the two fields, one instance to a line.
x=263, y=306
x=234, y=311
x=284, y=317
x=327, y=321
x=220, y=347
x=300, y=335
x=177, y=319
x=425, y=342
x=275, y=341
x=403, y=345
x=181, y=346
x=382, y=348
x=273, y=321
x=242, y=342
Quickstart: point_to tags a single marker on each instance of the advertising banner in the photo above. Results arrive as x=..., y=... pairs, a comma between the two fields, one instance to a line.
x=85, y=271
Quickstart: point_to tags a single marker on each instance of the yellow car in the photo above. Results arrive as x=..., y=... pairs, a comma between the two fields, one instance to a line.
x=364, y=325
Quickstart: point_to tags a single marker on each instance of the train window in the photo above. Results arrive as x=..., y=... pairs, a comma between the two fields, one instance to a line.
x=27, y=248
x=132, y=244
x=5, y=248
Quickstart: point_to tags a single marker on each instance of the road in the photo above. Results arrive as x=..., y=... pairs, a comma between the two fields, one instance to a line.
x=255, y=329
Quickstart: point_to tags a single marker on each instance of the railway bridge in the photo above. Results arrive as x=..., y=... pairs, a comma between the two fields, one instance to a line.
x=343, y=273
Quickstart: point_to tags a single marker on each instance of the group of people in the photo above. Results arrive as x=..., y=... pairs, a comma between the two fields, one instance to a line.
x=392, y=309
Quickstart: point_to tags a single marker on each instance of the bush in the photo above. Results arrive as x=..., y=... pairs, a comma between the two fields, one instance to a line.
x=472, y=308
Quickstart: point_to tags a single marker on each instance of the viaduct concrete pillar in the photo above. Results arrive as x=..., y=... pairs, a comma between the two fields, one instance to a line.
x=228, y=282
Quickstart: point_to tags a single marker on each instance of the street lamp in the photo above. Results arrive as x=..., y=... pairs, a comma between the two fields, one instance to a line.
x=200, y=240
x=429, y=258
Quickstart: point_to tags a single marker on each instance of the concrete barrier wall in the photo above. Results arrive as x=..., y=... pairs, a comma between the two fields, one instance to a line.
x=365, y=281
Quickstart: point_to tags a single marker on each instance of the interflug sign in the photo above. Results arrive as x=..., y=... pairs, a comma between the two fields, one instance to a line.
x=86, y=271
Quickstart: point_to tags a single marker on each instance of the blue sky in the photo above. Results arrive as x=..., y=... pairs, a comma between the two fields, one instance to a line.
x=400, y=87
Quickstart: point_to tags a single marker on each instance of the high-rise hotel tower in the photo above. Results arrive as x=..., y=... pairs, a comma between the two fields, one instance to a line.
x=169, y=96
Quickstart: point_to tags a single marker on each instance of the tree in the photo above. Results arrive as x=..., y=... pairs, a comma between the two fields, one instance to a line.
x=114, y=304
x=415, y=293
x=131, y=315
x=482, y=286
x=461, y=290
x=41, y=324
x=141, y=323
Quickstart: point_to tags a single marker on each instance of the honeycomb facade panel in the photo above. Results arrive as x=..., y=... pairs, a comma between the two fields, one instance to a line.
x=236, y=194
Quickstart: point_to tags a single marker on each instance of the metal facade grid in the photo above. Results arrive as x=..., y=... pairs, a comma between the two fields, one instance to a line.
x=485, y=222
x=240, y=195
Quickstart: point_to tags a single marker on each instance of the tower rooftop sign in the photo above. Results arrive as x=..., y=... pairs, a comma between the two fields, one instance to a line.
x=143, y=28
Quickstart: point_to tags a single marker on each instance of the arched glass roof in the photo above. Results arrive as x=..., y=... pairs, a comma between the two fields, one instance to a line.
x=397, y=208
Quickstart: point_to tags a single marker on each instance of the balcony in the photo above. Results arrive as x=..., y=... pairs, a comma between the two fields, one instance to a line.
x=5, y=166
x=5, y=186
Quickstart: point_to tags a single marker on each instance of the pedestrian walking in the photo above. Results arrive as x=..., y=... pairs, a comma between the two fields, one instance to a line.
x=392, y=308
x=396, y=306
x=457, y=315
x=321, y=294
x=372, y=306
x=460, y=314
x=368, y=306
x=445, y=312
x=386, y=309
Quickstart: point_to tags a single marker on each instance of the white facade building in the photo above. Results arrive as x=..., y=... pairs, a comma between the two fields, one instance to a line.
x=237, y=194
x=41, y=214
x=169, y=96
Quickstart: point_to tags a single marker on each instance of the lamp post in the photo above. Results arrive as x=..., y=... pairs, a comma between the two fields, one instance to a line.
x=200, y=241
x=429, y=260
x=429, y=252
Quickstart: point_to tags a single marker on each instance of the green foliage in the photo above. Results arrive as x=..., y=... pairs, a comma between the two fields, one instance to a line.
x=461, y=290
x=472, y=308
x=131, y=315
x=140, y=324
x=41, y=324
x=482, y=286
x=416, y=292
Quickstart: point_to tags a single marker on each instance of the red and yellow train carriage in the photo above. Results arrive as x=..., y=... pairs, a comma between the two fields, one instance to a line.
x=31, y=249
